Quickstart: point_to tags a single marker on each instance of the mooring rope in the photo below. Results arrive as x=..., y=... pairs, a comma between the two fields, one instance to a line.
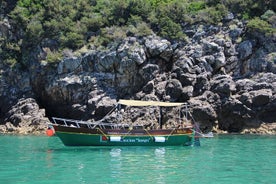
x=102, y=132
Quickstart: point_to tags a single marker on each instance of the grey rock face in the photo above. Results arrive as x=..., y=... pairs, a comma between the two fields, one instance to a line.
x=25, y=117
x=245, y=49
x=231, y=85
x=157, y=47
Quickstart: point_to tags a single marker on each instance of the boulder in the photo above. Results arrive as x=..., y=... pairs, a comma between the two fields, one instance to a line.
x=148, y=72
x=158, y=47
x=26, y=117
x=210, y=48
x=173, y=89
x=187, y=79
x=202, y=84
x=107, y=61
x=233, y=115
x=148, y=88
x=131, y=50
x=182, y=65
x=203, y=114
x=68, y=65
x=244, y=49
x=244, y=85
x=104, y=106
x=223, y=85
x=187, y=93
x=256, y=98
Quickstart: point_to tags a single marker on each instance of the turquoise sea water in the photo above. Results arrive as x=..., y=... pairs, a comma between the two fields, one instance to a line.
x=223, y=159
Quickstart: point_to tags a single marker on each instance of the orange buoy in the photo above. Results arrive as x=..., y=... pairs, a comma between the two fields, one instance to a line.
x=50, y=132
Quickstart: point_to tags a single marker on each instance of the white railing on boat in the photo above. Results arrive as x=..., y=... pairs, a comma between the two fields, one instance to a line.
x=87, y=124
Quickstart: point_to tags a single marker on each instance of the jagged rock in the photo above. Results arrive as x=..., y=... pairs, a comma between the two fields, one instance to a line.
x=265, y=77
x=149, y=71
x=159, y=47
x=68, y=65
x=223, y=85
x=197, y=51
x=103, y=106
x=262, y=62
x=244, y=85
x=148, y=88
x=187, y=93
x=256, y=98
x=229, y=16
x=5, y=28
x=219, y=60
x=233, y=115
x=232, y=66
x=173, y=89
x=187, y=79
x=258, y=64
x=235, y=33
x=244, y=49
x=267, y=113
x=271, y=62
x=230, y=50
x=150, y=97
x=261, y=97
x=203, y=113
x=199, y=34
x=26, y=117
x=202, y=84
x=210, y=48
x=232, y=84
x=8, y=128
x=132, y=50
x=264, y=128
x=106, y=61
x=160, y=91
x=183, y=65
x=206, y=62
x=210, y=97
x=70, y=88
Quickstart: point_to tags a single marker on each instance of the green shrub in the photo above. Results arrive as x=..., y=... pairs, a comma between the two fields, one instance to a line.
x=143, y=29
x=170, y=29
x=141, y=8
x=261, y=26
x=93, y=23
x=75, y=23
x=72, y=40
x=196, y=6
x=10, y=53
x=211, y=15
x=53, y=56
x=34, y=33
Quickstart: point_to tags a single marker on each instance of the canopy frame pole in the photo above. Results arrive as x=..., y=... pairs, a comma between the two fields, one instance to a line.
x=160, y=117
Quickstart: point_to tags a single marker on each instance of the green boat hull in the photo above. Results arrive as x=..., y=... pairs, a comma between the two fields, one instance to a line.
x=73, y=137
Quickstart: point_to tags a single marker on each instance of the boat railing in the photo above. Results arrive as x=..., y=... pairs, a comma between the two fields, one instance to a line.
x=87, y=124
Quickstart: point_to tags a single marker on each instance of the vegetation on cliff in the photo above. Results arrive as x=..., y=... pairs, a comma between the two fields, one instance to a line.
x=72, y=24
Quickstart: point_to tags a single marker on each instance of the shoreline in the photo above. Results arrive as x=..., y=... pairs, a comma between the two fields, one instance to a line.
x=215, y=133
x=263, y=129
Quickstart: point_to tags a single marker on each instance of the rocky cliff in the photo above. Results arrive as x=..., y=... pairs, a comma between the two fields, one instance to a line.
x=225, y=74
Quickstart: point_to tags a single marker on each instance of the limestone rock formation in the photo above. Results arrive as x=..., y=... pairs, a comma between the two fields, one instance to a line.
x=228, y=79
x=25, y=117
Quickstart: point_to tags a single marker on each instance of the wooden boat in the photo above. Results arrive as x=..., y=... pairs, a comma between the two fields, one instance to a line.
x=101, y=133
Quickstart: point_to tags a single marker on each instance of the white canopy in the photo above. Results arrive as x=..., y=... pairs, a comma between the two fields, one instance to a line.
x=149, y=103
